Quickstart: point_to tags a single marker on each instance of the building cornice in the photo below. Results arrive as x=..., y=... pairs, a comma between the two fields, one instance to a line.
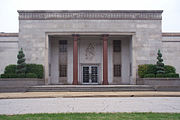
x=171, y=34
x=90, y=14
x=8, y=34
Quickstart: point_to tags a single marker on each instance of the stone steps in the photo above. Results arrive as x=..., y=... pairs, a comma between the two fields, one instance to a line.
x=89, y=88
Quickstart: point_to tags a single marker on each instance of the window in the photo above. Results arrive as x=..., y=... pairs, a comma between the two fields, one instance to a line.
x=62, y=70
x=117, y=45
x=63, y=46
x=130, y=69
x=117, y=70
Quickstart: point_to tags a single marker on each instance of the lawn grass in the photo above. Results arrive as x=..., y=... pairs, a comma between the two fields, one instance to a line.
x=94, y=116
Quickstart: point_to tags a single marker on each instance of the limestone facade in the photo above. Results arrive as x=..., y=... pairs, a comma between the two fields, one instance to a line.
x=140, y=33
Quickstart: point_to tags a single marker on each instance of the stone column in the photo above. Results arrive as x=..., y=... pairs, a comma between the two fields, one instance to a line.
x=105, y=59
x=75, y=59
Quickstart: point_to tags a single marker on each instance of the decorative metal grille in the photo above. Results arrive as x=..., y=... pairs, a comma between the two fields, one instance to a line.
x=62, y=70
x=117, y=70
x=63, y=46
x=86, y=74
x=94, y=74
x=117, y=45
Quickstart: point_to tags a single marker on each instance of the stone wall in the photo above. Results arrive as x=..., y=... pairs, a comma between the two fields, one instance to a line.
x=8, y=49
x=171, y=49
x=159, y=81
x=18, y=84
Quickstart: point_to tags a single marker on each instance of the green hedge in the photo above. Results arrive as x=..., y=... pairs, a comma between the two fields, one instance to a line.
x=160, y=75
x=149, y=76
x=36, y=69
x=10, y=69
x=21, y=75
x=169, y=69
x=32, y=71
x=146, y=69
x=149, y=70
x=31, y=75
x=4, y=75
x=172, y=75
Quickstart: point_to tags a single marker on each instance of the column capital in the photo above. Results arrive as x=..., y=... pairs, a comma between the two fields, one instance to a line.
x=75, y=35
x=105, y=35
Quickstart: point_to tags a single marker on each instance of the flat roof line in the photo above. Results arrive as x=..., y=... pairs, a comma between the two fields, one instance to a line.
x=2, y=34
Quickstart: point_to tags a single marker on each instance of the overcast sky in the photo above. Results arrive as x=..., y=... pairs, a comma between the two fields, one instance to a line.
x=9, y=15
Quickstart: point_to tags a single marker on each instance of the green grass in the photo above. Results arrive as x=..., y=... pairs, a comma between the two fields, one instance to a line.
x=94, y=116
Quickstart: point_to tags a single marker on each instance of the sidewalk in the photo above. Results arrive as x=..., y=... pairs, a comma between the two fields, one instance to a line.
x=19, y=95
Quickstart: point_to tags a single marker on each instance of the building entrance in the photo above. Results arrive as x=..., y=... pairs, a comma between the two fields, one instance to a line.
x=90, y=74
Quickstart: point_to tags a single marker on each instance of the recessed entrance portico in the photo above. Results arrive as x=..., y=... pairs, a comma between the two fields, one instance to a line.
x=91, y=59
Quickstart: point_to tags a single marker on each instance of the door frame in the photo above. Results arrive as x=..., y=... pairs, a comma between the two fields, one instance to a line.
x=98, y=71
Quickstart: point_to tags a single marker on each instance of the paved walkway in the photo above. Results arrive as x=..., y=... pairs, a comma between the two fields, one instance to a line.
x=88, y=94
x=107, y=104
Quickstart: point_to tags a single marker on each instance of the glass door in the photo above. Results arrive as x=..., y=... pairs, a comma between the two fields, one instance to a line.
x=90, y=74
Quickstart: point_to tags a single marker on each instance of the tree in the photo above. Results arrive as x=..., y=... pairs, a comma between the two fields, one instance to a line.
x=21, y=65
x=160, y=64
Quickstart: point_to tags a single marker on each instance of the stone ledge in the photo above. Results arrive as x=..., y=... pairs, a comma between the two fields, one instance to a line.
x=171, y=34
x=90, y=14
x=20, y=82
x=159, y=81
x=159, y=78
x=21, y=79
x=8, y=34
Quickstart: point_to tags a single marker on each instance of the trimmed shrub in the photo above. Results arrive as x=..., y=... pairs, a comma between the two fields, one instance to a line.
x=4, y=76
x=160, y=75
x=21, y=65
x=31, y=75
x=142, y=69
x=172, y=75
x=146, y=69
x=10, y=69
x=169, y=69
x=36, y=69
x=176, y=75
x=21, y=75
x=12, y=75
x=151, y=69
x=149, y=76
x=160, y=64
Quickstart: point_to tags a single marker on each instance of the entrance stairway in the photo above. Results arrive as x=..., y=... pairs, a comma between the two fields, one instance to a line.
x=89, y=88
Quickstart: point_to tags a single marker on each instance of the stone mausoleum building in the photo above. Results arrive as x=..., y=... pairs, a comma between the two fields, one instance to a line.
x=90, y=47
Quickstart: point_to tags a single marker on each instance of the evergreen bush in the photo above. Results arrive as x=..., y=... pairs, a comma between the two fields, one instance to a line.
x=21, y=65
x=10, y=69
x=12, y=75
x=21, y=75
x=149, y=76
x=4, y=76
x=31, y=75
x=160, y=64
x=36, y=69
x=142, y=70
x=146, y=69
x=172, y=75
x=160, y=75
x=169, y=69
x=151, y=69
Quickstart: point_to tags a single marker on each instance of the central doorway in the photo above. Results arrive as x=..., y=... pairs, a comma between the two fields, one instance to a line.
x=90, y=74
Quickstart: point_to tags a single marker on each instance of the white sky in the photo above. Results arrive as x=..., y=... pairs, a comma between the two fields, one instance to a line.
x=9, y=15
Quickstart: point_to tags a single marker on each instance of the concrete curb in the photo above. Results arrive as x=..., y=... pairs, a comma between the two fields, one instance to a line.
x=26, y=95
